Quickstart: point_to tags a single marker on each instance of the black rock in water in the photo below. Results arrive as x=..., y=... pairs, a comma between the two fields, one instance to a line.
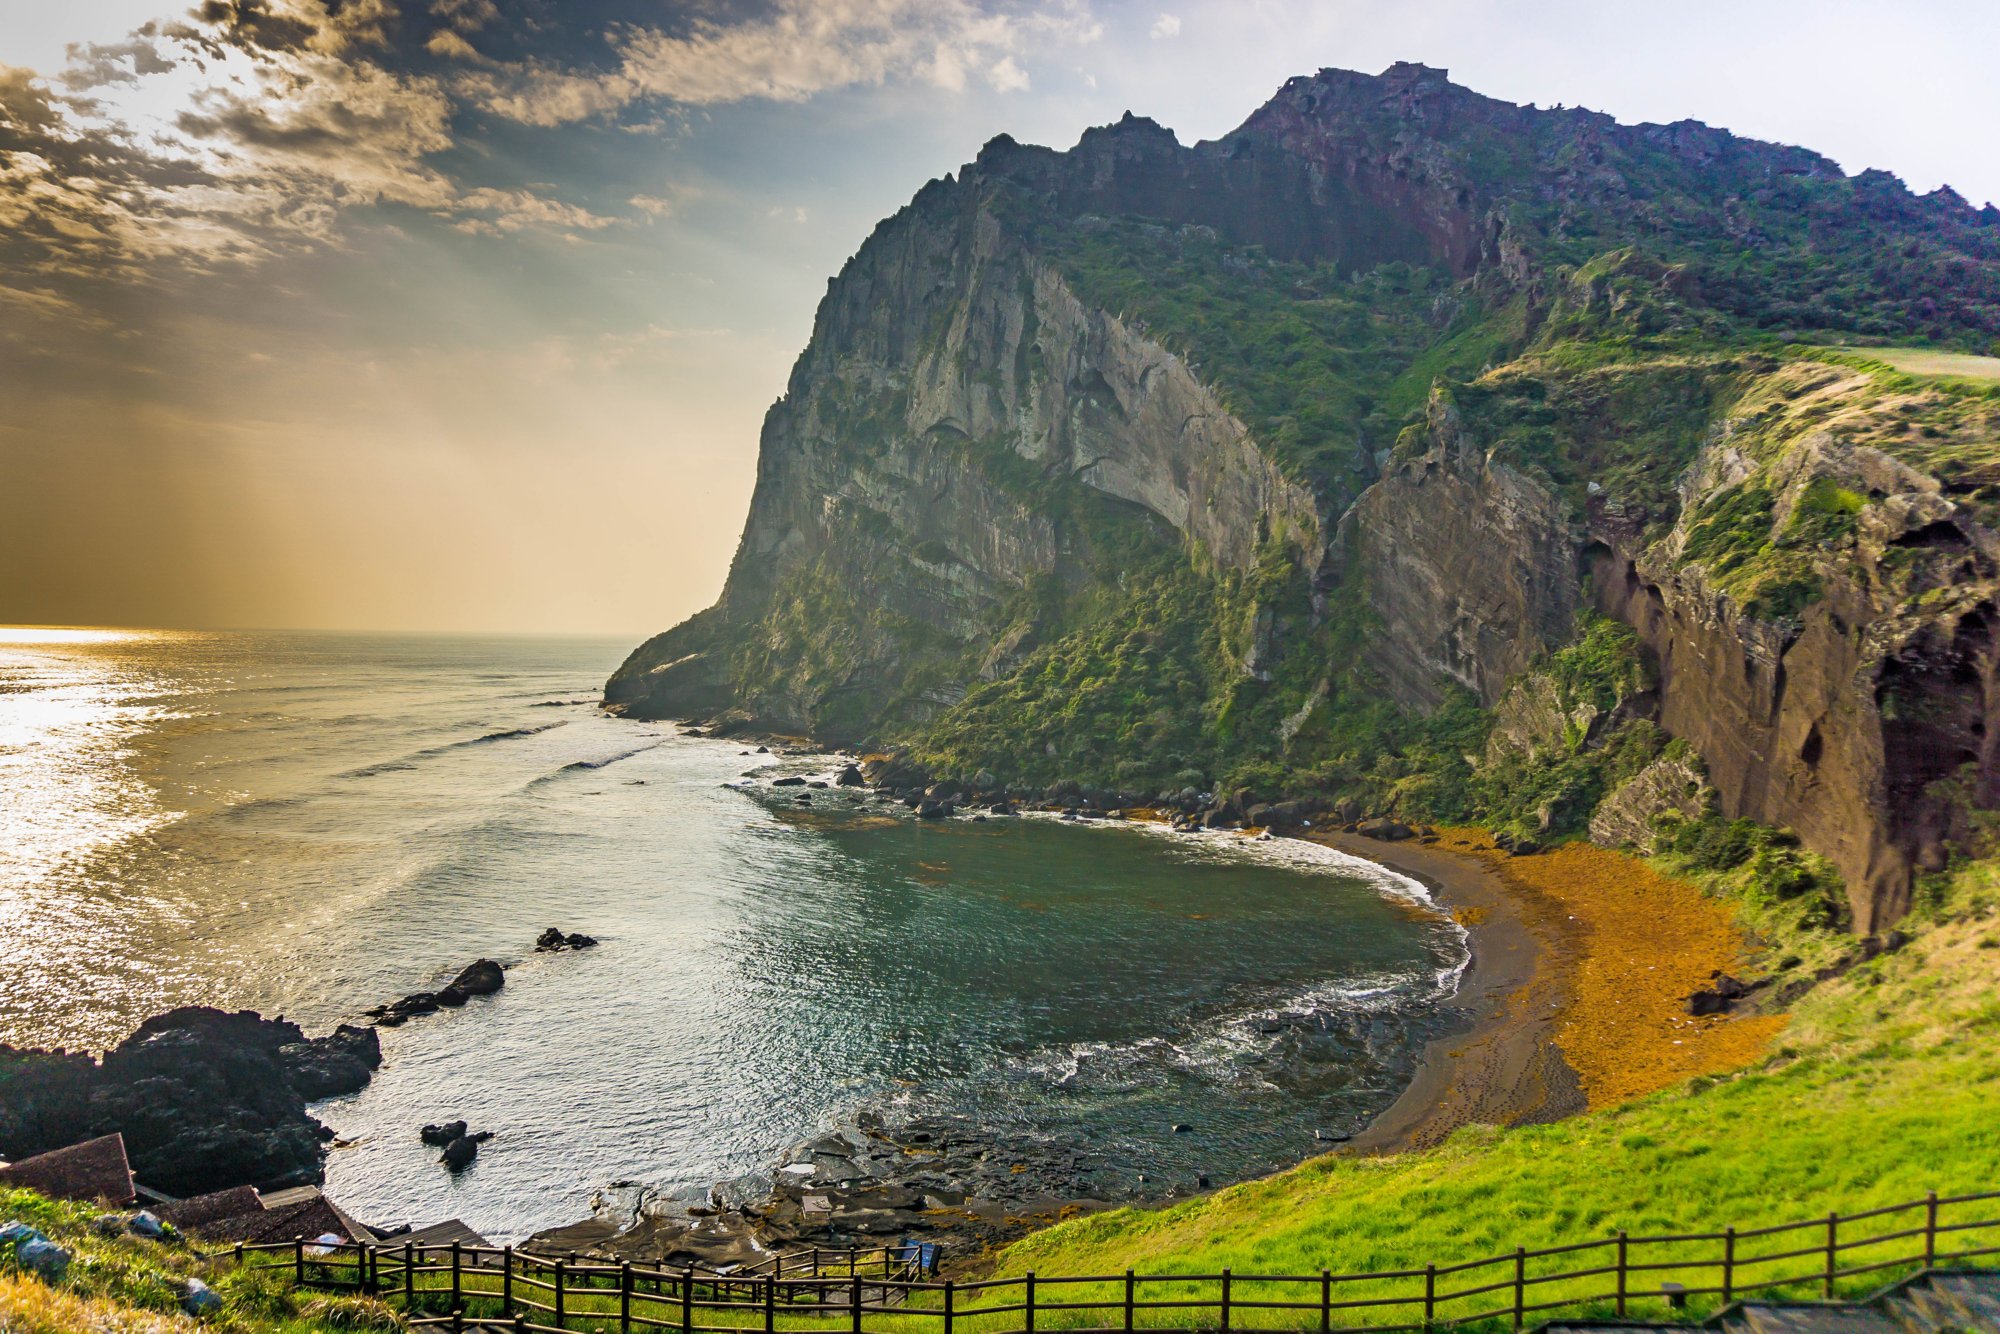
x=552, y=940
x=342, y=1062
x=463, y=1148
x=482, y=977
x=443, y=1133
x=205, y=1099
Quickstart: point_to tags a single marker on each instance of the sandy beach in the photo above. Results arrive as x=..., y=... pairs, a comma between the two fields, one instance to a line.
x=1581, y=961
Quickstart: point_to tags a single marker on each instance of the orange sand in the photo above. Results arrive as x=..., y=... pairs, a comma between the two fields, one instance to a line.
x=1634, y=945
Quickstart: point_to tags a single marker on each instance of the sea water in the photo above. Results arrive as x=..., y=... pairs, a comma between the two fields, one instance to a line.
x=315, y=824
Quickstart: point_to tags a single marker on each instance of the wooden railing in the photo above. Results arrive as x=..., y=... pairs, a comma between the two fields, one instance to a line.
x=1624, y=1277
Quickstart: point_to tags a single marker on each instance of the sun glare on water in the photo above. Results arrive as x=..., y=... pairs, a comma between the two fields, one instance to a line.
x=25, y=635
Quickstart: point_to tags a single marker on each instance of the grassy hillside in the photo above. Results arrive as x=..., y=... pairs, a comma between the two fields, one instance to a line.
x=1882, y=1088
x=121, y=1284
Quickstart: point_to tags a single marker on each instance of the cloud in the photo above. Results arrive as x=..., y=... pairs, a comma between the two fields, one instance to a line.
x=800, y=49
x=252, y=129
x=447, y=44
x=1006, y=76
x=493, y=212
x=1167, y=25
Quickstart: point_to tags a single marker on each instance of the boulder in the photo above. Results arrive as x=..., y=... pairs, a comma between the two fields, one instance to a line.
x=205, y=1099
x=340, y=1063
x=552, y=940
x=458, y=1154
x=793, y=781
x=1385, y=830
x=851, y=776
x=34, y=1253
x=930, y=809
x=198, y=1299
x=481, y=977
x=576, y=940
x=441, y=1134
x=1704, y=1003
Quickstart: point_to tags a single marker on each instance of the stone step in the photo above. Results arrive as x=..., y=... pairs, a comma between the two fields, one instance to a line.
x=1964, y=1301
x=1834, y=1318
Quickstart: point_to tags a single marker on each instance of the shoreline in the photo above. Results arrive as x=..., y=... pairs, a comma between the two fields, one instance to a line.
x=1506, y=1059
x=1502, y=1066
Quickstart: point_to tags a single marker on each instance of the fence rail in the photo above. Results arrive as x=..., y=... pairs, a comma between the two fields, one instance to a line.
x=887, y=1291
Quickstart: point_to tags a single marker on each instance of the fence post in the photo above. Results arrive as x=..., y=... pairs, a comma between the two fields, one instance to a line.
x=506, y=1280
x=854, y=1305
x=687, y=1300
x=625, y=1296
x=409, y=1278
x=815, y=1262
x=1131, y=1284
x=560, y=1266
x=1728, y=1265
x=1430, y=1294
x=1028, y=1314
x=457, y=1268
x=1832, y=1252
x=1621, y=1273
x=1225, y=1302
x=948, y=1290
x=1930, y=1230
x=1325, y=1300
x=1520, y=1284
x=239, y=1255
x=298, y=1262
x=771, y=1301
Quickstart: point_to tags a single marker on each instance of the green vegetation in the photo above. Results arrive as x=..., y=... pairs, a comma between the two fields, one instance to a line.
x=120, y=1284
x=1323, y=366
x=1881, y=1091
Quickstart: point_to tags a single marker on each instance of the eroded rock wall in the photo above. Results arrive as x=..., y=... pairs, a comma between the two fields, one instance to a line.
x=902, y=492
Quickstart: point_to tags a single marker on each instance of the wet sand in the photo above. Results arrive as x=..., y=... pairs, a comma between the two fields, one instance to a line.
x=1504, y=1067
x=1581, y=961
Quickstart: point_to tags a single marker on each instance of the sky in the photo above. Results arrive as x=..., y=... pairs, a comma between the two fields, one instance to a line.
x=462, y=315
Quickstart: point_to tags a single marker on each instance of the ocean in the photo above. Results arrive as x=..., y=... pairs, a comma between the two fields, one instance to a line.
x=310, y=825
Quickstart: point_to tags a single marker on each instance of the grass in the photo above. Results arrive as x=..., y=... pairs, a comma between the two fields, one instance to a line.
x=1882, y=1091
x=1926, y=361
x=124, y=1285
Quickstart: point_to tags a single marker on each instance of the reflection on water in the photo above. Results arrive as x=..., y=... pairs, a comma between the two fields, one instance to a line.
x=311, y=825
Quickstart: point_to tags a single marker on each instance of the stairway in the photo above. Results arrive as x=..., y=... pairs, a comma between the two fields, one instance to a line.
x=1937, y=1302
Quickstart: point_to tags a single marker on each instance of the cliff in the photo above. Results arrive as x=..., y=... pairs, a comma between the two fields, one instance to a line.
x=1304, y=462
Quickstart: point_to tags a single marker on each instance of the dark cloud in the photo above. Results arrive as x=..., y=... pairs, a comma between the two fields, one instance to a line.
x=253, y=24
x=97, y=64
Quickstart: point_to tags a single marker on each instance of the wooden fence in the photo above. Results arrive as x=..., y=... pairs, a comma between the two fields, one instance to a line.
x=882, y=1292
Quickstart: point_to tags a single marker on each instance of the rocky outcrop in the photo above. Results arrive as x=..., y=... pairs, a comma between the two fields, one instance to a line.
x=1841, y=724
x=954, y=386
x=1628, y=816
x=206, y=1100
x=1469, y=566
x=969, y=450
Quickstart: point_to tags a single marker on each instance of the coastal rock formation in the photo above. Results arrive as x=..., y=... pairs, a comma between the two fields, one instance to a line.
x=1170, y=467
x=205, y=1099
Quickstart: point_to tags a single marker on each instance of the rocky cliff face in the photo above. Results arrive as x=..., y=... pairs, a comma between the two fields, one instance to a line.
x=954, y=387
x=1047, y=385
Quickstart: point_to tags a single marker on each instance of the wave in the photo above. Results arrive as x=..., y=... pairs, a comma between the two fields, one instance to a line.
x=1231, y=1049
x=585, y=766
x=416, y=757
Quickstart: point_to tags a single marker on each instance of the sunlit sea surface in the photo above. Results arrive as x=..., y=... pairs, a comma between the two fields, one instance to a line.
x=310, y=825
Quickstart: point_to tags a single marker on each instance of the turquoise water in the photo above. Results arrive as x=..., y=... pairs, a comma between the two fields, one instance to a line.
x=315, y=824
